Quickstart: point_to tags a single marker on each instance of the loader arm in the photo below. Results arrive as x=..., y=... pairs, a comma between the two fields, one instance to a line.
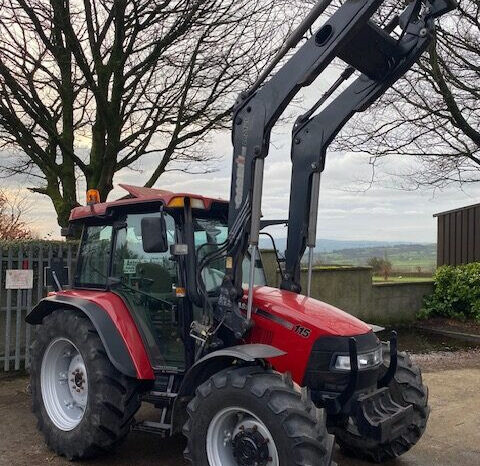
x=257, y=112
x=350, y=35
x=313, y=134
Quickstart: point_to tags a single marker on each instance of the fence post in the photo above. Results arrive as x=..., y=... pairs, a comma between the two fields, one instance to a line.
x=29, y=306
x=8, y=319
x=40, y=274
x=50, y=255
x=1, y=281
x=18, y=324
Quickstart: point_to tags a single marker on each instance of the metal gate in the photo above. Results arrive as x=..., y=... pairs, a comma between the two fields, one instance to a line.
x=15, y=334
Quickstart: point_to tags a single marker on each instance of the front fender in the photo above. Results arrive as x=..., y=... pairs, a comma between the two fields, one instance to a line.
x=212, y=363
x=113, y=323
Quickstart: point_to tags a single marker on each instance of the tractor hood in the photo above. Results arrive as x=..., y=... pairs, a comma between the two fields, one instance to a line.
x=291, y=309
x=293, y=323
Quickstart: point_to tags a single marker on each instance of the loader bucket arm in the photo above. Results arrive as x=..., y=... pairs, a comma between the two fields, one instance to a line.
x=313, y=134
x=347, y=34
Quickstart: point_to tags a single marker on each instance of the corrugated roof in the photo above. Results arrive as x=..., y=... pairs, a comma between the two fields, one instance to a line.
x=457, y=210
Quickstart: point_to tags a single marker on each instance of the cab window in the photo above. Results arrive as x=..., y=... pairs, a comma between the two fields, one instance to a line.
x=152, y=273
x=147, y=282
x=209, y=235
x=94, y=257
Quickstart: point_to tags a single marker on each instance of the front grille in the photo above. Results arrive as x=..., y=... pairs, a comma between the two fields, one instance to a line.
x=319, y=375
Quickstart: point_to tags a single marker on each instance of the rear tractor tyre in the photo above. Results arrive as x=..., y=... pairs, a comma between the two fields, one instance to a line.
x=84, y=406
x=406, y=389
x=251, y=416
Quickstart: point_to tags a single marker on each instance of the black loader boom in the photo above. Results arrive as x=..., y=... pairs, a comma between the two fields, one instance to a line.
x=380, y=55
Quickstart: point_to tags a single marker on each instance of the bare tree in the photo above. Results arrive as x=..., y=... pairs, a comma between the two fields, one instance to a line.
x=433, y=114
x=14, y=207
x=90, y=87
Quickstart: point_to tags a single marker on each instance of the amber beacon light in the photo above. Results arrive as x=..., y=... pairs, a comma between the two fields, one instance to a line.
x=93, y=197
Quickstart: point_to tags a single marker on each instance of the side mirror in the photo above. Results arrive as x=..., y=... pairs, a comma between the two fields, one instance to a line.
x=154, y=234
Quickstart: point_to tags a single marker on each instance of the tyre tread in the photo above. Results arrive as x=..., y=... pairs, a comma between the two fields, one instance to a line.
x=298, y=416
x=116, y=400
x=408, y=389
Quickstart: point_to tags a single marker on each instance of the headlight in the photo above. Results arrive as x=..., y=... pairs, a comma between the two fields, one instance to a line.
x=365, y=360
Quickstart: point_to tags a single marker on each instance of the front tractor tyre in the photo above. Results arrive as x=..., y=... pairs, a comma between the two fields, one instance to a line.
x=84, y=406
x=406, y=389
x=251, y=416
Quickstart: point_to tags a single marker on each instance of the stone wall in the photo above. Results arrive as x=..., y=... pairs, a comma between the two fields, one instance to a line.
x=351, y=289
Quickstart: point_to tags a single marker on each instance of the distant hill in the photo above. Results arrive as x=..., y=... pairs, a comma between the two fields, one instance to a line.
x=406, y=257
x=330, y=245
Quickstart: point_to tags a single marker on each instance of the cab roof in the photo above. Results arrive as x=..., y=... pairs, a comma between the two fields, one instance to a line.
x=138, y=195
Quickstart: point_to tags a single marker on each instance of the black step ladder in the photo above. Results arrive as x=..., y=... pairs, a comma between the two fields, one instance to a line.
x=161, y=396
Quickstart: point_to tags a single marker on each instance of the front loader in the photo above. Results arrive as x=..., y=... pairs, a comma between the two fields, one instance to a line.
x=159, y=311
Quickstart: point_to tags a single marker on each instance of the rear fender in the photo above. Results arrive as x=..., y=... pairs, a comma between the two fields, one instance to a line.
x=125, y=351
x=211, y=364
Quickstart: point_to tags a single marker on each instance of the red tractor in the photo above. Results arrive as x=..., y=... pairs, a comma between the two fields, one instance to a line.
x=159, y=311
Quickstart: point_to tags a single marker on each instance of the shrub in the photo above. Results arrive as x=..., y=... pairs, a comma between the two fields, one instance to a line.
x=381, y=267
x=456, y=295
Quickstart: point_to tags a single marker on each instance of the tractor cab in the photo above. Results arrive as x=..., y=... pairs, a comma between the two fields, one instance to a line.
x=140, y=247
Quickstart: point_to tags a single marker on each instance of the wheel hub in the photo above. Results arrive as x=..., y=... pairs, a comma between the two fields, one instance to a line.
x=250, y=448
x=237, y=437
x=78, y=380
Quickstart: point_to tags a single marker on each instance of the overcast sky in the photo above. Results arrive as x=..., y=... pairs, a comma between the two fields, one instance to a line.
x=347, y=211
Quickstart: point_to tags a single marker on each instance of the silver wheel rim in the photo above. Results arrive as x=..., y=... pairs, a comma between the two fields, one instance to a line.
x=64, y=384
x=223, y=429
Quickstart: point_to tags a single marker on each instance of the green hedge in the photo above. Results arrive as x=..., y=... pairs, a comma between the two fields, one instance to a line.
x=35, y=245
x=456, y=295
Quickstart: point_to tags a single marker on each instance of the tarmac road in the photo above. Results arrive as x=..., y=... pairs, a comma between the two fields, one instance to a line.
x=452, y=437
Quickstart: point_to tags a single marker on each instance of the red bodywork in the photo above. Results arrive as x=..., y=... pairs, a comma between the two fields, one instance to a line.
x=121, y=317
x=278, y=317
x=286, y=316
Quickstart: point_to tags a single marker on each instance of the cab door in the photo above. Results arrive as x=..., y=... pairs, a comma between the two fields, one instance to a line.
x=147, y=282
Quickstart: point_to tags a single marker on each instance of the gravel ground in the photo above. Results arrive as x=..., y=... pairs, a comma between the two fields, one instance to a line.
x=452, y=437
x=443, y=360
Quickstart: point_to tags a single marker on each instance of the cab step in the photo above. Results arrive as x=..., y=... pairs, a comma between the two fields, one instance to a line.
x=159, y=398
x=151, y=427
x=162, y=394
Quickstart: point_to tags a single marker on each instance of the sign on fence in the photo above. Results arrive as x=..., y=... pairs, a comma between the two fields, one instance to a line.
x=22, y=285
x=19, y=280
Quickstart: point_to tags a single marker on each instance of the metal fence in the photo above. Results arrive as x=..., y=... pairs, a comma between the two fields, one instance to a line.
x=15, y=304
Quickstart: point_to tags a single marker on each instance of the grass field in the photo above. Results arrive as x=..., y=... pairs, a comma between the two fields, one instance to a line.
x=406, y=258
x=401, y=279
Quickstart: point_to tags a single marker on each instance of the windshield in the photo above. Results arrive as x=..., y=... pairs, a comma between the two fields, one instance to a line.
x=209, y=234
